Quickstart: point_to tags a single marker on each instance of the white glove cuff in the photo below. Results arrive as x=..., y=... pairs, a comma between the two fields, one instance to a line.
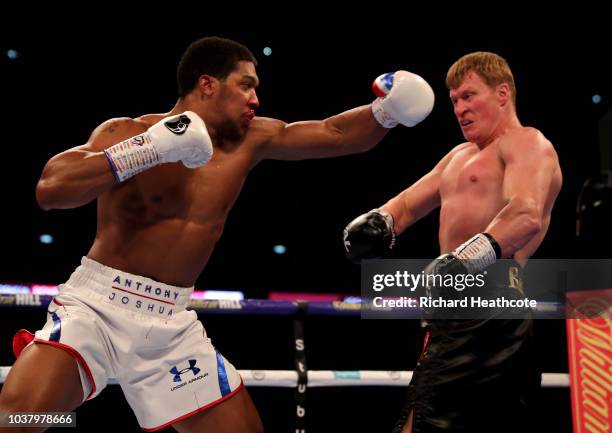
x=476, y=253
x=381, y=115
x=132, y=156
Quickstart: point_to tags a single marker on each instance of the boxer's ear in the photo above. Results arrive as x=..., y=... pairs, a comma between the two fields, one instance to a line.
x=503, y=94
x=208, y=85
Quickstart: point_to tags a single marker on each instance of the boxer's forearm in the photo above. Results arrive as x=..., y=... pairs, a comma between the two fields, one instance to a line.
x=516, y=225
x=73, y=178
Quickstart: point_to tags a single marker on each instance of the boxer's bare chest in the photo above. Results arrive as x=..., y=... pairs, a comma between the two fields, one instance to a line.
x=471, y=194
x=172, y=191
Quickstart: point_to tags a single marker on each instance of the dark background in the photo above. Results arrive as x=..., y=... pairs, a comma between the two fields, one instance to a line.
x=71, y=75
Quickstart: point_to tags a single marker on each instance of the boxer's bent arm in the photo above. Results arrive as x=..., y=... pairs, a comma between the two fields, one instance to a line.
x=531, y=162
x=79, y=175
x=350, y=132
x=421, y=197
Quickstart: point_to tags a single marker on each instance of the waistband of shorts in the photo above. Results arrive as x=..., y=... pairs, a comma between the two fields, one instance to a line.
x=130, y=291
x=501, y=268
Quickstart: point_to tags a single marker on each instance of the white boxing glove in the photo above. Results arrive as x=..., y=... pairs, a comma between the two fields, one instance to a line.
x=183, y=137
x=404, y=98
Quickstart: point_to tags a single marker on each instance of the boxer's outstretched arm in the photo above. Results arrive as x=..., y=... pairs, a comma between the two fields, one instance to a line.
x=531, y=163
x=353, y=131
x=408, y=100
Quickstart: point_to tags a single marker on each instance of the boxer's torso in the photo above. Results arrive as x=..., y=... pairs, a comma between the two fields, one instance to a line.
x=472, y=194
x=164, y=223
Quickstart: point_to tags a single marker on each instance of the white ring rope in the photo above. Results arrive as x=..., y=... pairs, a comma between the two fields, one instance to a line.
x=321, y=378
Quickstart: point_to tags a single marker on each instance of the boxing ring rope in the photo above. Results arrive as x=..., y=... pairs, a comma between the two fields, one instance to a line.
x=544, y=310
x=290, y=378
x=328, y=378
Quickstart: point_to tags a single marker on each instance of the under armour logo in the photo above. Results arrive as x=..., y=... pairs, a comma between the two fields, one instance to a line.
x=179, y=125
x=177, y=374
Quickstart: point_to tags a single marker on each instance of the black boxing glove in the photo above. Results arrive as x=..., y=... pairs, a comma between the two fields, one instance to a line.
x=470, y=257
x=369, y=236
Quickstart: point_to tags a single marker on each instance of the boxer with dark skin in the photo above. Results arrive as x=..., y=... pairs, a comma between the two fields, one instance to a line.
x=164, y=190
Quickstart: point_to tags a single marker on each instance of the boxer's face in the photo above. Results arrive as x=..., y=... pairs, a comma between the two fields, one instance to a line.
x=476, y=107
x=238, y=100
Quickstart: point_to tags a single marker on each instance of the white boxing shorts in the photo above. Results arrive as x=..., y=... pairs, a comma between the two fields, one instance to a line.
x=136, y=331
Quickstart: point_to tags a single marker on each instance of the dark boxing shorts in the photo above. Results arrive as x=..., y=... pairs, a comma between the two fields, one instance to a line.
x=476, y=374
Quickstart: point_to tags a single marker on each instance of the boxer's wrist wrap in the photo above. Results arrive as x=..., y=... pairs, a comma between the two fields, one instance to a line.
x=381, y=115
x=132, y=156
x=478, y=252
